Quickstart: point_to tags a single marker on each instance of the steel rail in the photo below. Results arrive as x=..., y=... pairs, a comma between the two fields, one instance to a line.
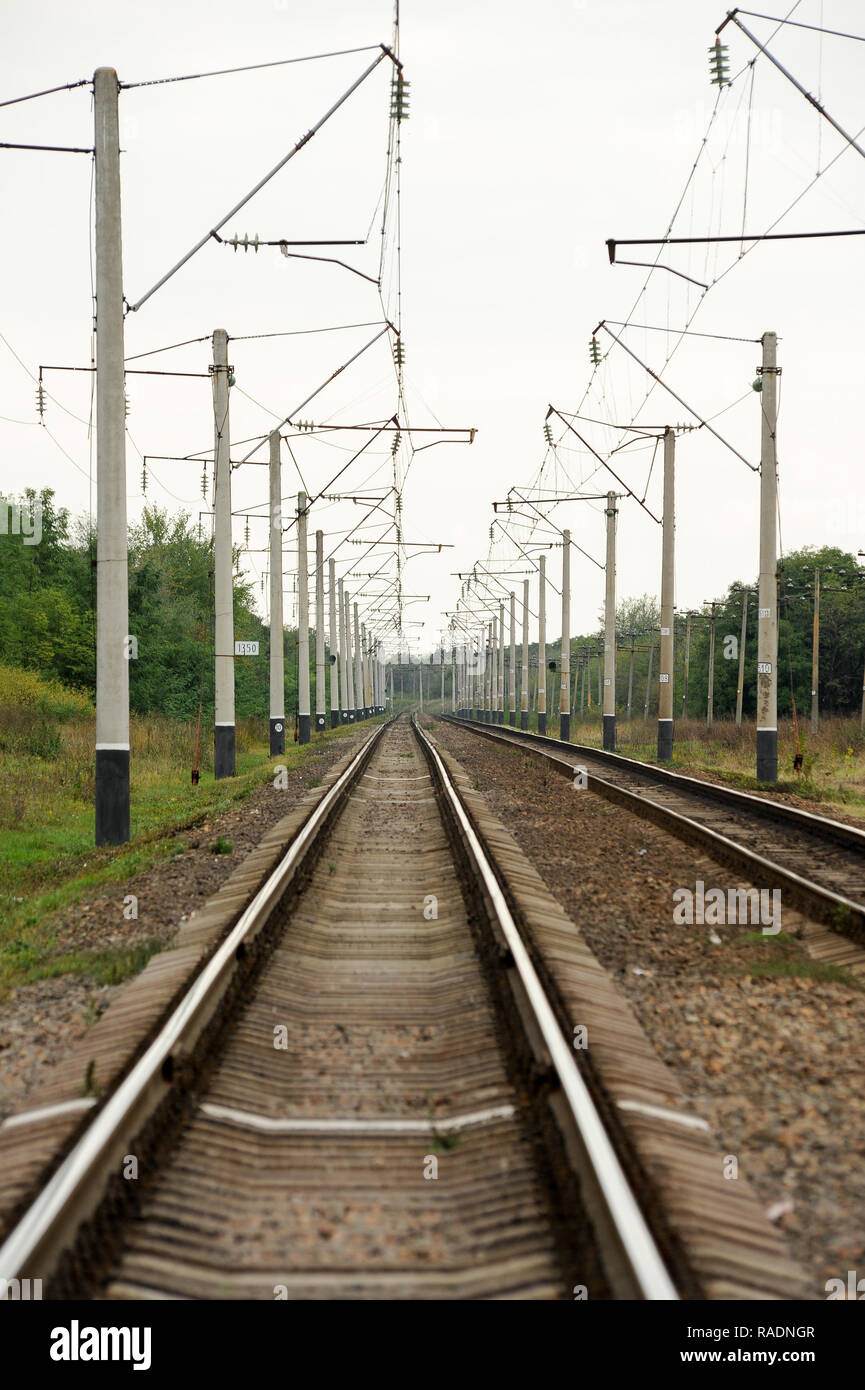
x=830, y=901
x=68, y=1198
x=646, y=1265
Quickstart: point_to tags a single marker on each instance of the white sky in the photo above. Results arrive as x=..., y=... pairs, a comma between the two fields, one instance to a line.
x=535, y=134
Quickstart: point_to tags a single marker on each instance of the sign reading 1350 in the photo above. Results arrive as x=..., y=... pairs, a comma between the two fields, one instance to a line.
x=246, y=649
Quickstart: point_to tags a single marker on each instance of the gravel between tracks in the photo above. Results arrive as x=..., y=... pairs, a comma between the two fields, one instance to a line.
x=39, y=1022
x=772, y=1062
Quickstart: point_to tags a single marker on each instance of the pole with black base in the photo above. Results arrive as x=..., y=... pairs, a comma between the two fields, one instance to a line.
x=277, y=657
x=345, y=603
x=668, y=549
x=767, y=612
x=320, y=691
x=610, y=628
x=303, y=713
x=359, y=711
x=113, y=647
x=512, y=666
x=334, y=644
x=542, y=646
x=223, y=582
x=524, y=671
x=565, y=687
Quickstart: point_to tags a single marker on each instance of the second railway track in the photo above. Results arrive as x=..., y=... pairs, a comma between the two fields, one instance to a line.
x=817, y=862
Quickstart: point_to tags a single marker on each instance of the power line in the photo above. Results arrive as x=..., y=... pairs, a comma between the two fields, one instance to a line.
x=250, y=67
x=687, y=332
x=797, y=24
x=65, y=87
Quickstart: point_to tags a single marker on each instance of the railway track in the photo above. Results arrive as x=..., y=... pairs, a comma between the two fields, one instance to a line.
x=817, y=863
x=365, y=1092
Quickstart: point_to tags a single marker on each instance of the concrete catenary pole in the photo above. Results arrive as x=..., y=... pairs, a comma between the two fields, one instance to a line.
x=367, y=673
x=500, y=716
x=223, y=583
x=767, y=612
x=360, y=712
x=740, y=683
x=666, y=656
x=524, y=672
x=630, y=678
x=113, y=648
x=815, y=658
x=710, y=682
x=649, y=674
x=512, y=667
x=345, y=657
x=303, y=710
x=541, y=687
x=335, y=644
x=420, y=683
x=454, y=699
x=320, y=691
x=277, y=635
x=565, y=688
x=610, y=628
x=687, y=670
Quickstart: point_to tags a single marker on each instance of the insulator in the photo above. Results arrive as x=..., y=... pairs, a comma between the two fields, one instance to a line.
x=40, y=400
x=144, y=479
x=719, y=70
x=397, y=440
x=232, y=379
x=204, y=481
x=757, y=384
x=246, y=533
x=399, y=97
x=510, y=505
x=492, y=533
x=595, y=351
x=126, y=406
x=399, y=352
x=548, y=432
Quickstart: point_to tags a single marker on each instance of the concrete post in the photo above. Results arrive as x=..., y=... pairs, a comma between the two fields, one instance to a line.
x=710, y=684
x=666, y=656
x=610, y=629
x=649, y=674
x=320, y=690
x=113, y=647
x=335, y=644
x=541, y=688
x=815, y=658
x=524, y=672
x=767, y=612
x=303, y=709
x=223, y=584
x=500, y=709
x=345, y=657
x=512, y=667
x=277, y=634
x=631, y=678
x=687, y=669
x=565, y=687
x=740, y=686
x=359, y=711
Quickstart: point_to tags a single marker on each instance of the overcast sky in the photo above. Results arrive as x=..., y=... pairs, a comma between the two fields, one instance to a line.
x=536, y=132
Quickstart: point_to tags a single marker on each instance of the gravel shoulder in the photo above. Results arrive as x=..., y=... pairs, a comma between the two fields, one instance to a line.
x=39, y=1022
x=769, y=1056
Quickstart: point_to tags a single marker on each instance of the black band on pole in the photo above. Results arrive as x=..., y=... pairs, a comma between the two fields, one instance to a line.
x=112, y=796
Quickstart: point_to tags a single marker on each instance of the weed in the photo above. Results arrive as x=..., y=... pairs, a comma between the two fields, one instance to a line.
x=222, y=846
